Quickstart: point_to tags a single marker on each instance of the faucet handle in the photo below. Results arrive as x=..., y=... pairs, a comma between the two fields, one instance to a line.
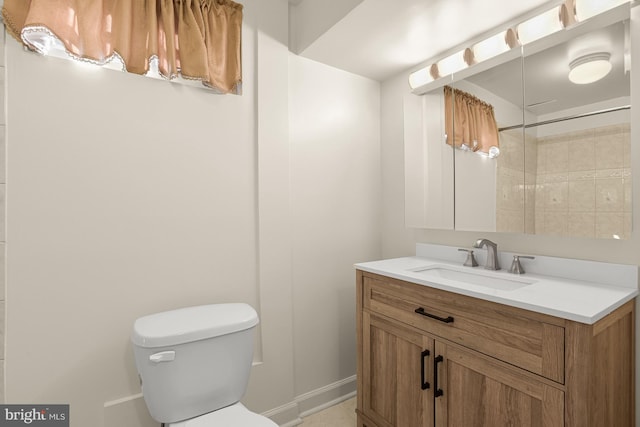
x=516, y=267
x=471, y=260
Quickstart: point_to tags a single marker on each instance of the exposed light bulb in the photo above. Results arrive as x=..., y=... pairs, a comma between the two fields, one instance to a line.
x=540, y=26
x=420, y=78
x=451, y=64
x=490, y=47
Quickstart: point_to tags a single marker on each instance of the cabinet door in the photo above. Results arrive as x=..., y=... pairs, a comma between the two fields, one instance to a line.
x=480, y=392
x=395, y=362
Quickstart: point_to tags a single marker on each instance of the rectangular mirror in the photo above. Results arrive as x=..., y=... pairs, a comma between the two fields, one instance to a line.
x=564, y=148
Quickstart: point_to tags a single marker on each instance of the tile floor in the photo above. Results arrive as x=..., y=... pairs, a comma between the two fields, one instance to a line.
x=340, y=415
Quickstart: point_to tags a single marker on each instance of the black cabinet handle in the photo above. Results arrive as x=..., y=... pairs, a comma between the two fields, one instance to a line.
x=425, y=384
x=438, y=391
x=421, y=311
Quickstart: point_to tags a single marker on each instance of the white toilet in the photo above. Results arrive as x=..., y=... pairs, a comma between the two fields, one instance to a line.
x=194, y=365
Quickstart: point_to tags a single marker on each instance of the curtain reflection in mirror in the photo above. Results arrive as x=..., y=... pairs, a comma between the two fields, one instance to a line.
x=470, y=123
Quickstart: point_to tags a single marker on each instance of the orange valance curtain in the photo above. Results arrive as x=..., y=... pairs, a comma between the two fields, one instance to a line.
x=192, y=39
x=469, y=121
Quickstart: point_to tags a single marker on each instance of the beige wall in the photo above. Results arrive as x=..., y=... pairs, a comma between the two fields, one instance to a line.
x=399, y=241
x=131, y=196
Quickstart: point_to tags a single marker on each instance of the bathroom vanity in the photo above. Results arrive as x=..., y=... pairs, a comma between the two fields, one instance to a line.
x=448, y=351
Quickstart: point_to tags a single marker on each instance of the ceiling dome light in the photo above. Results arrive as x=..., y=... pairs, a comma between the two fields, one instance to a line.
x=589, y=68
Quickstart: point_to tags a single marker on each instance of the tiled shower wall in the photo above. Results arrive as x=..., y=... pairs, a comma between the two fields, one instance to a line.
x=573, y=184
x=516, y=171
x=583, y=184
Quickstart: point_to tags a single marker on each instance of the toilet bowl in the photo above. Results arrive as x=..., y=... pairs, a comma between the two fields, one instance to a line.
x=236, y=415
x=194, y=365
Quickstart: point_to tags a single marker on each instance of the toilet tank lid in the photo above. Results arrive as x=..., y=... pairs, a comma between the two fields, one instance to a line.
x=192, y=324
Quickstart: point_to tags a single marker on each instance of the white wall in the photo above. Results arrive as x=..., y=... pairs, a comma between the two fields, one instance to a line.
x=129, y=196
x=335, y=198
x=309, y=19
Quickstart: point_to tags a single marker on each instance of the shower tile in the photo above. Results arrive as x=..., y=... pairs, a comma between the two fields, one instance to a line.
x=555, y=223
x=530, y=155
x=609, y=195
x=540, y=197
x=542, y=157
x=582, y=196
x=609, y=151
x=557, y=196
x=609, y=225
x=626, y=188
x=626, y=146
x=582, y=224
x=582, y=154
x=558, y=156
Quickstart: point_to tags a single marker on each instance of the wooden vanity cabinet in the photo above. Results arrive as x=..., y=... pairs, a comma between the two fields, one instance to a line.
x=431, y=358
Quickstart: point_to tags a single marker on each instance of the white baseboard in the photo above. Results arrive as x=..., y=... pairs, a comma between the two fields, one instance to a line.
x=309, y=403
x=131, y=411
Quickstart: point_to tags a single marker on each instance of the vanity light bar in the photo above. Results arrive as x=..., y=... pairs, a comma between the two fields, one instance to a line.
x=451, y=64
x=493, y=46
x=542, y=25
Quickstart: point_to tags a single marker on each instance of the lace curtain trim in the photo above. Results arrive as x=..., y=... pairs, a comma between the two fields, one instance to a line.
x=195, y=40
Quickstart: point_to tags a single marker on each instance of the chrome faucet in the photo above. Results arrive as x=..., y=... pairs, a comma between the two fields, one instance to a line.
x=492, y=253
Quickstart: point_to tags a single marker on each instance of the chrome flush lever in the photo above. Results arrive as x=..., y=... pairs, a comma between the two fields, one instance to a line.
x=516, y=267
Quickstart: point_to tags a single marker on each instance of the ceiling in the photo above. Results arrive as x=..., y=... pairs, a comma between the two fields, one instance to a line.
x=381, y=38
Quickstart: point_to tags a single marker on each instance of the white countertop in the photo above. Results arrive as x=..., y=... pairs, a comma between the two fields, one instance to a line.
x=579, y=300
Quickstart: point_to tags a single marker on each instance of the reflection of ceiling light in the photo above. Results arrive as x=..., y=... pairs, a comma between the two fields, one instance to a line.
x=589, y=68
x=493, y=152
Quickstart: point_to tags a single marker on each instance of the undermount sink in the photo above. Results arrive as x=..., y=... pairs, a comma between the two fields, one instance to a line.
x=482, y=278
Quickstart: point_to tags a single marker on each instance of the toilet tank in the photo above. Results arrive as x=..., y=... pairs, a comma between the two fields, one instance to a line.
x=194, y=360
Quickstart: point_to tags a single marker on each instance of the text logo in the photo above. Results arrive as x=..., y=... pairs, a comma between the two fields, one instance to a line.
x=34, y=415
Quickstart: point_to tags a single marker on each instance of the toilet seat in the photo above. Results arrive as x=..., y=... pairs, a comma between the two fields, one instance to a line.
x=236, y=415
